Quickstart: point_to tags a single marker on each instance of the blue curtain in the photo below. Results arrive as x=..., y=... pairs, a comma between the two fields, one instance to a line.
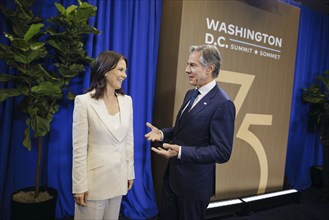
x=304, y=149
x=128, y=27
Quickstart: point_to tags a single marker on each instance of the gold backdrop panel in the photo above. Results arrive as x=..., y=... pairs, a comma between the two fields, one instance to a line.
x=257, y=40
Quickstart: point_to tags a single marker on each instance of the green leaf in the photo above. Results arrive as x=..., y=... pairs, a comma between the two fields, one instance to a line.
x=313, y=99
x=5, y=52
x=25, y=91
x=21, y=69
x=40, y=126
x=27, y=135
x=25, y=11
x=37, y=45
x=39, y=89
x=87, y=29
x=54, y=44
x=71, y=71
x=8, y=13
x=3, y=47
x=6, y=93
x=21, y=45
x=19, y=27
x=42, y=72
x=30, y=55
x=9, y=36
x=48, y=89
x=32, y=31
x=324, y=79
x=6, y=77
x=70, y=95
x=52, y=111
x=84, y=13
x=31, y=110
x=71, y=9
x=60, y=8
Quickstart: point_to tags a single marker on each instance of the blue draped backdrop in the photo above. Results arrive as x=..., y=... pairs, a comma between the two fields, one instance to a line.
x=304, y=149
x=128, y=27
x=132, y=28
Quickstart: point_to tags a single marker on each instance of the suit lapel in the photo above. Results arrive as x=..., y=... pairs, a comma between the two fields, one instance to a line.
x=124, y=118
x=201, y=105
x=179, y=114
x=103, y=115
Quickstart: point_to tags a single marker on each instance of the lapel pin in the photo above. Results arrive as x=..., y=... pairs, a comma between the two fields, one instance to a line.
x=205, y=103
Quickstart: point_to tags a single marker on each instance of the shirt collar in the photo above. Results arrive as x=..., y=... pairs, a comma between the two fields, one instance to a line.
x=206, y=88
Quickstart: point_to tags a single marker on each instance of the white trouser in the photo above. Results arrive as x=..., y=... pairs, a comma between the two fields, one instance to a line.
x=108, y=209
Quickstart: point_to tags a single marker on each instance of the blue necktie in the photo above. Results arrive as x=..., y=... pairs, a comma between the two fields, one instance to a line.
x=188, y=108
x=193, y=96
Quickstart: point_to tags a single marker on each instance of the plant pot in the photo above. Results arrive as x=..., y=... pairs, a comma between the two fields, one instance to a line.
x=316, y=176
x=44, y=210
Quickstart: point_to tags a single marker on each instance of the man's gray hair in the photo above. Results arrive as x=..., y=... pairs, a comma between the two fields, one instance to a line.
x=209, y=55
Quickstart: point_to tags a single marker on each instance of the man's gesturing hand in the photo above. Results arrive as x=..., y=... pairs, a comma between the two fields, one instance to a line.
x=154, y=134
x=170, y=150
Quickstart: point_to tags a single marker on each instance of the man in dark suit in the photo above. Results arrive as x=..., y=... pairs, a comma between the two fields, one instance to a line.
x=202, y=136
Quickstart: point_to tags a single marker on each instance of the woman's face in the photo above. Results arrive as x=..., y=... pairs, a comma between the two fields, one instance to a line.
x=115, y=77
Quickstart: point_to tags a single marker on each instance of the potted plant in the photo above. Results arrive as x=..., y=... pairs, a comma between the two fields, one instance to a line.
x=42, y=58
x=318, y=96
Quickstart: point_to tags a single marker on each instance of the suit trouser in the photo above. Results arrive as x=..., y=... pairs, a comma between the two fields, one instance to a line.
x=108, y=209
x=174, y=207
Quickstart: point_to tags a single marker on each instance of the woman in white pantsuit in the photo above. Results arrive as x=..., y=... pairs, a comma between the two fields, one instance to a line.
x=103, y=141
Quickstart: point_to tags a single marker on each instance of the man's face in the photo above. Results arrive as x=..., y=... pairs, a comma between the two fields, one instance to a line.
x=198, y=75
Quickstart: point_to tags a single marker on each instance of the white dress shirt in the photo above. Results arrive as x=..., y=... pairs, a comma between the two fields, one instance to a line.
x=203, y=91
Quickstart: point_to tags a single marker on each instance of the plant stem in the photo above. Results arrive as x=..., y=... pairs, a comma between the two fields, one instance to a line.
x=37, y=173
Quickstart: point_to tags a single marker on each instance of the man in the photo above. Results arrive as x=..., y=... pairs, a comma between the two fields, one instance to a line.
x=202, y=136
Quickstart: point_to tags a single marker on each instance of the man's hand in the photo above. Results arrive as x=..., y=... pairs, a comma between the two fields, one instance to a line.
x=154, y=134
x=170, y=150
x=81, y=198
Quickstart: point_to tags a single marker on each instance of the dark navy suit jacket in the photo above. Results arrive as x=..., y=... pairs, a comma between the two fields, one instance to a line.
x=206, y=137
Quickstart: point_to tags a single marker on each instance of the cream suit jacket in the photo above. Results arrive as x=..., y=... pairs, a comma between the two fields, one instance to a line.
x=103, y=157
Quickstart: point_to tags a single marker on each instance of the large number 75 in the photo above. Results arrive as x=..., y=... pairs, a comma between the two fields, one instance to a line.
x=245, y=81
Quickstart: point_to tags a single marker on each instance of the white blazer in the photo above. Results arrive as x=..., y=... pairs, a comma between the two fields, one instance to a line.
x=103, y=157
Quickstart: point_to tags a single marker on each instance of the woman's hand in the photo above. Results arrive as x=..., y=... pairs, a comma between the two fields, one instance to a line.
x=130, y=184
x=80, y=198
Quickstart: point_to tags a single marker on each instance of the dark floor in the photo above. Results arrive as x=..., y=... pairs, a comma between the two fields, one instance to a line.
x=308, y=208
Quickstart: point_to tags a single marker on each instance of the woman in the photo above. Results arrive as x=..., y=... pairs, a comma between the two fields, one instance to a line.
x=103, y=150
